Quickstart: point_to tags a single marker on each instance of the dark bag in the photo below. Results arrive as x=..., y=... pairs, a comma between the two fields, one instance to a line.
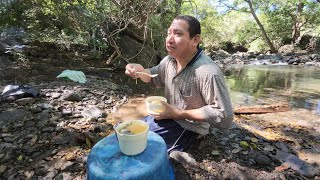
x=14, y=92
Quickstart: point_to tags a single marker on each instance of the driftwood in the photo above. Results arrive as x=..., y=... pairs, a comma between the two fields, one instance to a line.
x=261, y=109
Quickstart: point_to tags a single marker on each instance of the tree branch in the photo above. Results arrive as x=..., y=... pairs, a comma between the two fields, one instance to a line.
x=233, y=8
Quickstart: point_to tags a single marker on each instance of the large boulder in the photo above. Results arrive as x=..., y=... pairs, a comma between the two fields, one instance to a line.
x=233, y=48
x=135, y=52
x=286, y=49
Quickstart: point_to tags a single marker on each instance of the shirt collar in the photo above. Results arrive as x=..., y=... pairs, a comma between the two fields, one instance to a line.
x=195, y=57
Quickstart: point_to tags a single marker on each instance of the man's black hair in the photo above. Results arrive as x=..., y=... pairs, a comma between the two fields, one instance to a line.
x=194, y=24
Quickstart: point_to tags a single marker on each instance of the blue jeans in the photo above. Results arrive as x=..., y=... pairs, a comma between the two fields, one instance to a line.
x=173, y=134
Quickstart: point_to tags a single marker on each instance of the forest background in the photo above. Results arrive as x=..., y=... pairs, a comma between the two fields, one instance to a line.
x=232, y=25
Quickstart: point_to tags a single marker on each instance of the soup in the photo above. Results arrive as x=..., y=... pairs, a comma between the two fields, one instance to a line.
x=133, y=128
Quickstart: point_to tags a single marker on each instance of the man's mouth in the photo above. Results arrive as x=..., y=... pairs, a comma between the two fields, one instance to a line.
x=170, y=48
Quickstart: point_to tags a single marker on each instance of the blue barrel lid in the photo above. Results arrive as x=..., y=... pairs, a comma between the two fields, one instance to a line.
x=106, y=161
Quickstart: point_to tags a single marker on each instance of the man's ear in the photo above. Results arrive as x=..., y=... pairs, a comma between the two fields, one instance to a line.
x=196, y=40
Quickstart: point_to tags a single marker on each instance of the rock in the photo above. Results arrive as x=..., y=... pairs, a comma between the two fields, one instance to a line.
x=15, y=115
x=262, y=159
x=235, y=151
x=25, y=101
x=64, y=176
x=215, y=152
x=293, y=61
x=4, y=61
x=66, y=112
x=94, y=113
x=51, y=174
x=48, y=129
x=55, y=95
x=286, y=49
x=73, y=96
x=3, y=48
x=184, y=158
x=40, y=171
x=2, y=168
x=299, y=165
x=28, y=174
x=282, y=146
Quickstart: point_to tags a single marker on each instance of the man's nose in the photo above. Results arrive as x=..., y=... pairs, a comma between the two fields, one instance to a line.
x=170, y=38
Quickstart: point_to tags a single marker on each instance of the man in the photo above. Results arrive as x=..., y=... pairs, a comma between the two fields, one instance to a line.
x=194, y=87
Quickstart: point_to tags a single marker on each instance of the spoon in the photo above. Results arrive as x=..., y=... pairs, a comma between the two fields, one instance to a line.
x=150, y=75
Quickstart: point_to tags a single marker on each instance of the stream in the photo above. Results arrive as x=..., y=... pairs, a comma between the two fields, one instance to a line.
x=299, y=86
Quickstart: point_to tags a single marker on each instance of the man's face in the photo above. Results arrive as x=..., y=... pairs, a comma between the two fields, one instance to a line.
x=178, y=42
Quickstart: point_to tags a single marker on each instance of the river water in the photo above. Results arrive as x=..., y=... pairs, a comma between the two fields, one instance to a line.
x=264, y=84
x=260, y=84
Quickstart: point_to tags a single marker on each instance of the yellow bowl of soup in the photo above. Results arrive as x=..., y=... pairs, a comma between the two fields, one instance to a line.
x=154, y=104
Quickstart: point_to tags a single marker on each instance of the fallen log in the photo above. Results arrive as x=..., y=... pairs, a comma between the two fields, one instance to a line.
x=261, y=109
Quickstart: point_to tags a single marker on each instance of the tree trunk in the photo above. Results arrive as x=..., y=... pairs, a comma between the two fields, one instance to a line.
x=264, y=34
x=297, y=24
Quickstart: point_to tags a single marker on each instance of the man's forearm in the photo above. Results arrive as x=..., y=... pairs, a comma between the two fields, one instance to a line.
x=192, y=114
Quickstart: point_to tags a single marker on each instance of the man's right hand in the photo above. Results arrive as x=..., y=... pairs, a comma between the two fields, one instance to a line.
x=132, y=68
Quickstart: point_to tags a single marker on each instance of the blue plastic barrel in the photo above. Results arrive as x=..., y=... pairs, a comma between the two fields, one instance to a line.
x=106, y=161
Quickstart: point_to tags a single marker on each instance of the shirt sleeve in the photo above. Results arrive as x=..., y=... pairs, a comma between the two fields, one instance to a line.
x=219, y=111
x=159, y=80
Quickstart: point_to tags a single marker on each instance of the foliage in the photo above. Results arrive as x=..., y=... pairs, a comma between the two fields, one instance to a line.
x=280, y=17
x=99, y=23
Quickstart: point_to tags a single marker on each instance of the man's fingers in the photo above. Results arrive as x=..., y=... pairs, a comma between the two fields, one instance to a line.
x=154, y=114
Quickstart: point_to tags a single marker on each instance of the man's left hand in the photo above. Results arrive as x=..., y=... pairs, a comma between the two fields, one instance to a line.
x=170, y=112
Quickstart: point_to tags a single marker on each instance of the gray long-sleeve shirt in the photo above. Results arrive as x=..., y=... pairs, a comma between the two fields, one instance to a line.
x=200, y=84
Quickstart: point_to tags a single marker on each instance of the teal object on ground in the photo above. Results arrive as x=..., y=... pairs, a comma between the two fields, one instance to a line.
x=76, y=76
x=106, y=161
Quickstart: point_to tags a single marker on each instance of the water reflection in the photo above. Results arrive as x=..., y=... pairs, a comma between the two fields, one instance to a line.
x=257, y=84
x=298, y=86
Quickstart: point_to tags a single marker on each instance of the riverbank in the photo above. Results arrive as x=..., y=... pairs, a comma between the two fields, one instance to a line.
x=51, y=136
